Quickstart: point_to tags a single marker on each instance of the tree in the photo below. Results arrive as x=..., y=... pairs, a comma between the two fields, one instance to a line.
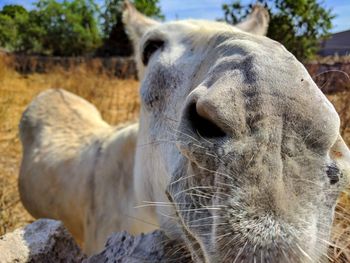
x=113, y=12
x=149, y=8
x=64, y=28
x=116, y=42
x=298, y=24
x=13, y=10
x=7, y=32
x=30, y=33
x=70, y=27
x=11, y=16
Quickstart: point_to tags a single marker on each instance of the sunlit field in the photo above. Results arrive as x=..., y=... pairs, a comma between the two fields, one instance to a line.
x=118, y=102
x=116, y=99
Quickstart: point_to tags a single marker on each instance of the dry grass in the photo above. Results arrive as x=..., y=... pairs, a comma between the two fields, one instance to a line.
x=341, y=227
x=118, y=102
x=332, y=59
x=116, y=99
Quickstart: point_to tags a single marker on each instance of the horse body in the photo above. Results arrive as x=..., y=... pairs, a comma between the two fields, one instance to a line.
x=66, y=171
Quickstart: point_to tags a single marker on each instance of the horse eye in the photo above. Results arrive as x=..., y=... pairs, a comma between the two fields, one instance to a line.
x=150, y=47
x=333, y=173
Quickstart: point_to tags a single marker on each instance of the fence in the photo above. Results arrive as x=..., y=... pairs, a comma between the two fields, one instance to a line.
x=120, y=67
x=330, y=76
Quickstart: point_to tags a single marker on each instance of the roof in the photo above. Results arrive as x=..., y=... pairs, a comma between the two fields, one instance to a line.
x=338, y=43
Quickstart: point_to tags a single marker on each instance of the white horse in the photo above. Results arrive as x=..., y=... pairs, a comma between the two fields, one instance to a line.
x=238, y=153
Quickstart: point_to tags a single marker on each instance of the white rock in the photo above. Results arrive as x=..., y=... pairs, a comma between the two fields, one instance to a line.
x=44, y=240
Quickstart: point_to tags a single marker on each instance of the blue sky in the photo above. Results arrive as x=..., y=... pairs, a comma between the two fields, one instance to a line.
x=211, y=9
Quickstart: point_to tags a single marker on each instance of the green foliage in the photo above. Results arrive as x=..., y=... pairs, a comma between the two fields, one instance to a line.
x=149, y=8
x=111, y=15
x=298, y=24
x=65, y=28
x=233, y=12
x=115, y=41
x=13, y=10
x=12, y=19
x=30, y=33
x=70, y=27
x=113, y=12
x=7, y=32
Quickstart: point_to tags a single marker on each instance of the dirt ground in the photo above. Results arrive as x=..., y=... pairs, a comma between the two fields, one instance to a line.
x=118, y=102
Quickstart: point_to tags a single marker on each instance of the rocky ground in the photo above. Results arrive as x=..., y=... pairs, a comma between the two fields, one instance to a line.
x=47, y=241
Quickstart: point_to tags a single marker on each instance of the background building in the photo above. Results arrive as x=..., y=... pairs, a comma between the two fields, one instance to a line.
x=338, y=43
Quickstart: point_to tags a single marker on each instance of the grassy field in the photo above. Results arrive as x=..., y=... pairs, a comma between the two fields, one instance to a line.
x=116, y=99
x=118, y=102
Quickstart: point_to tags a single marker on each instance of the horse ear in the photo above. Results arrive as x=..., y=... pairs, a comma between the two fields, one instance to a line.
x=340, y=153
x=257, y=22
x=136, y=24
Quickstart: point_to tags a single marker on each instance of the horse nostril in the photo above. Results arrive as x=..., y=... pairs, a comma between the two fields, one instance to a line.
x=203, y=126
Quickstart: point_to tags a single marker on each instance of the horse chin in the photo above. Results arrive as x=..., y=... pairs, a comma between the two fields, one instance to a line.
x=209, y=238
